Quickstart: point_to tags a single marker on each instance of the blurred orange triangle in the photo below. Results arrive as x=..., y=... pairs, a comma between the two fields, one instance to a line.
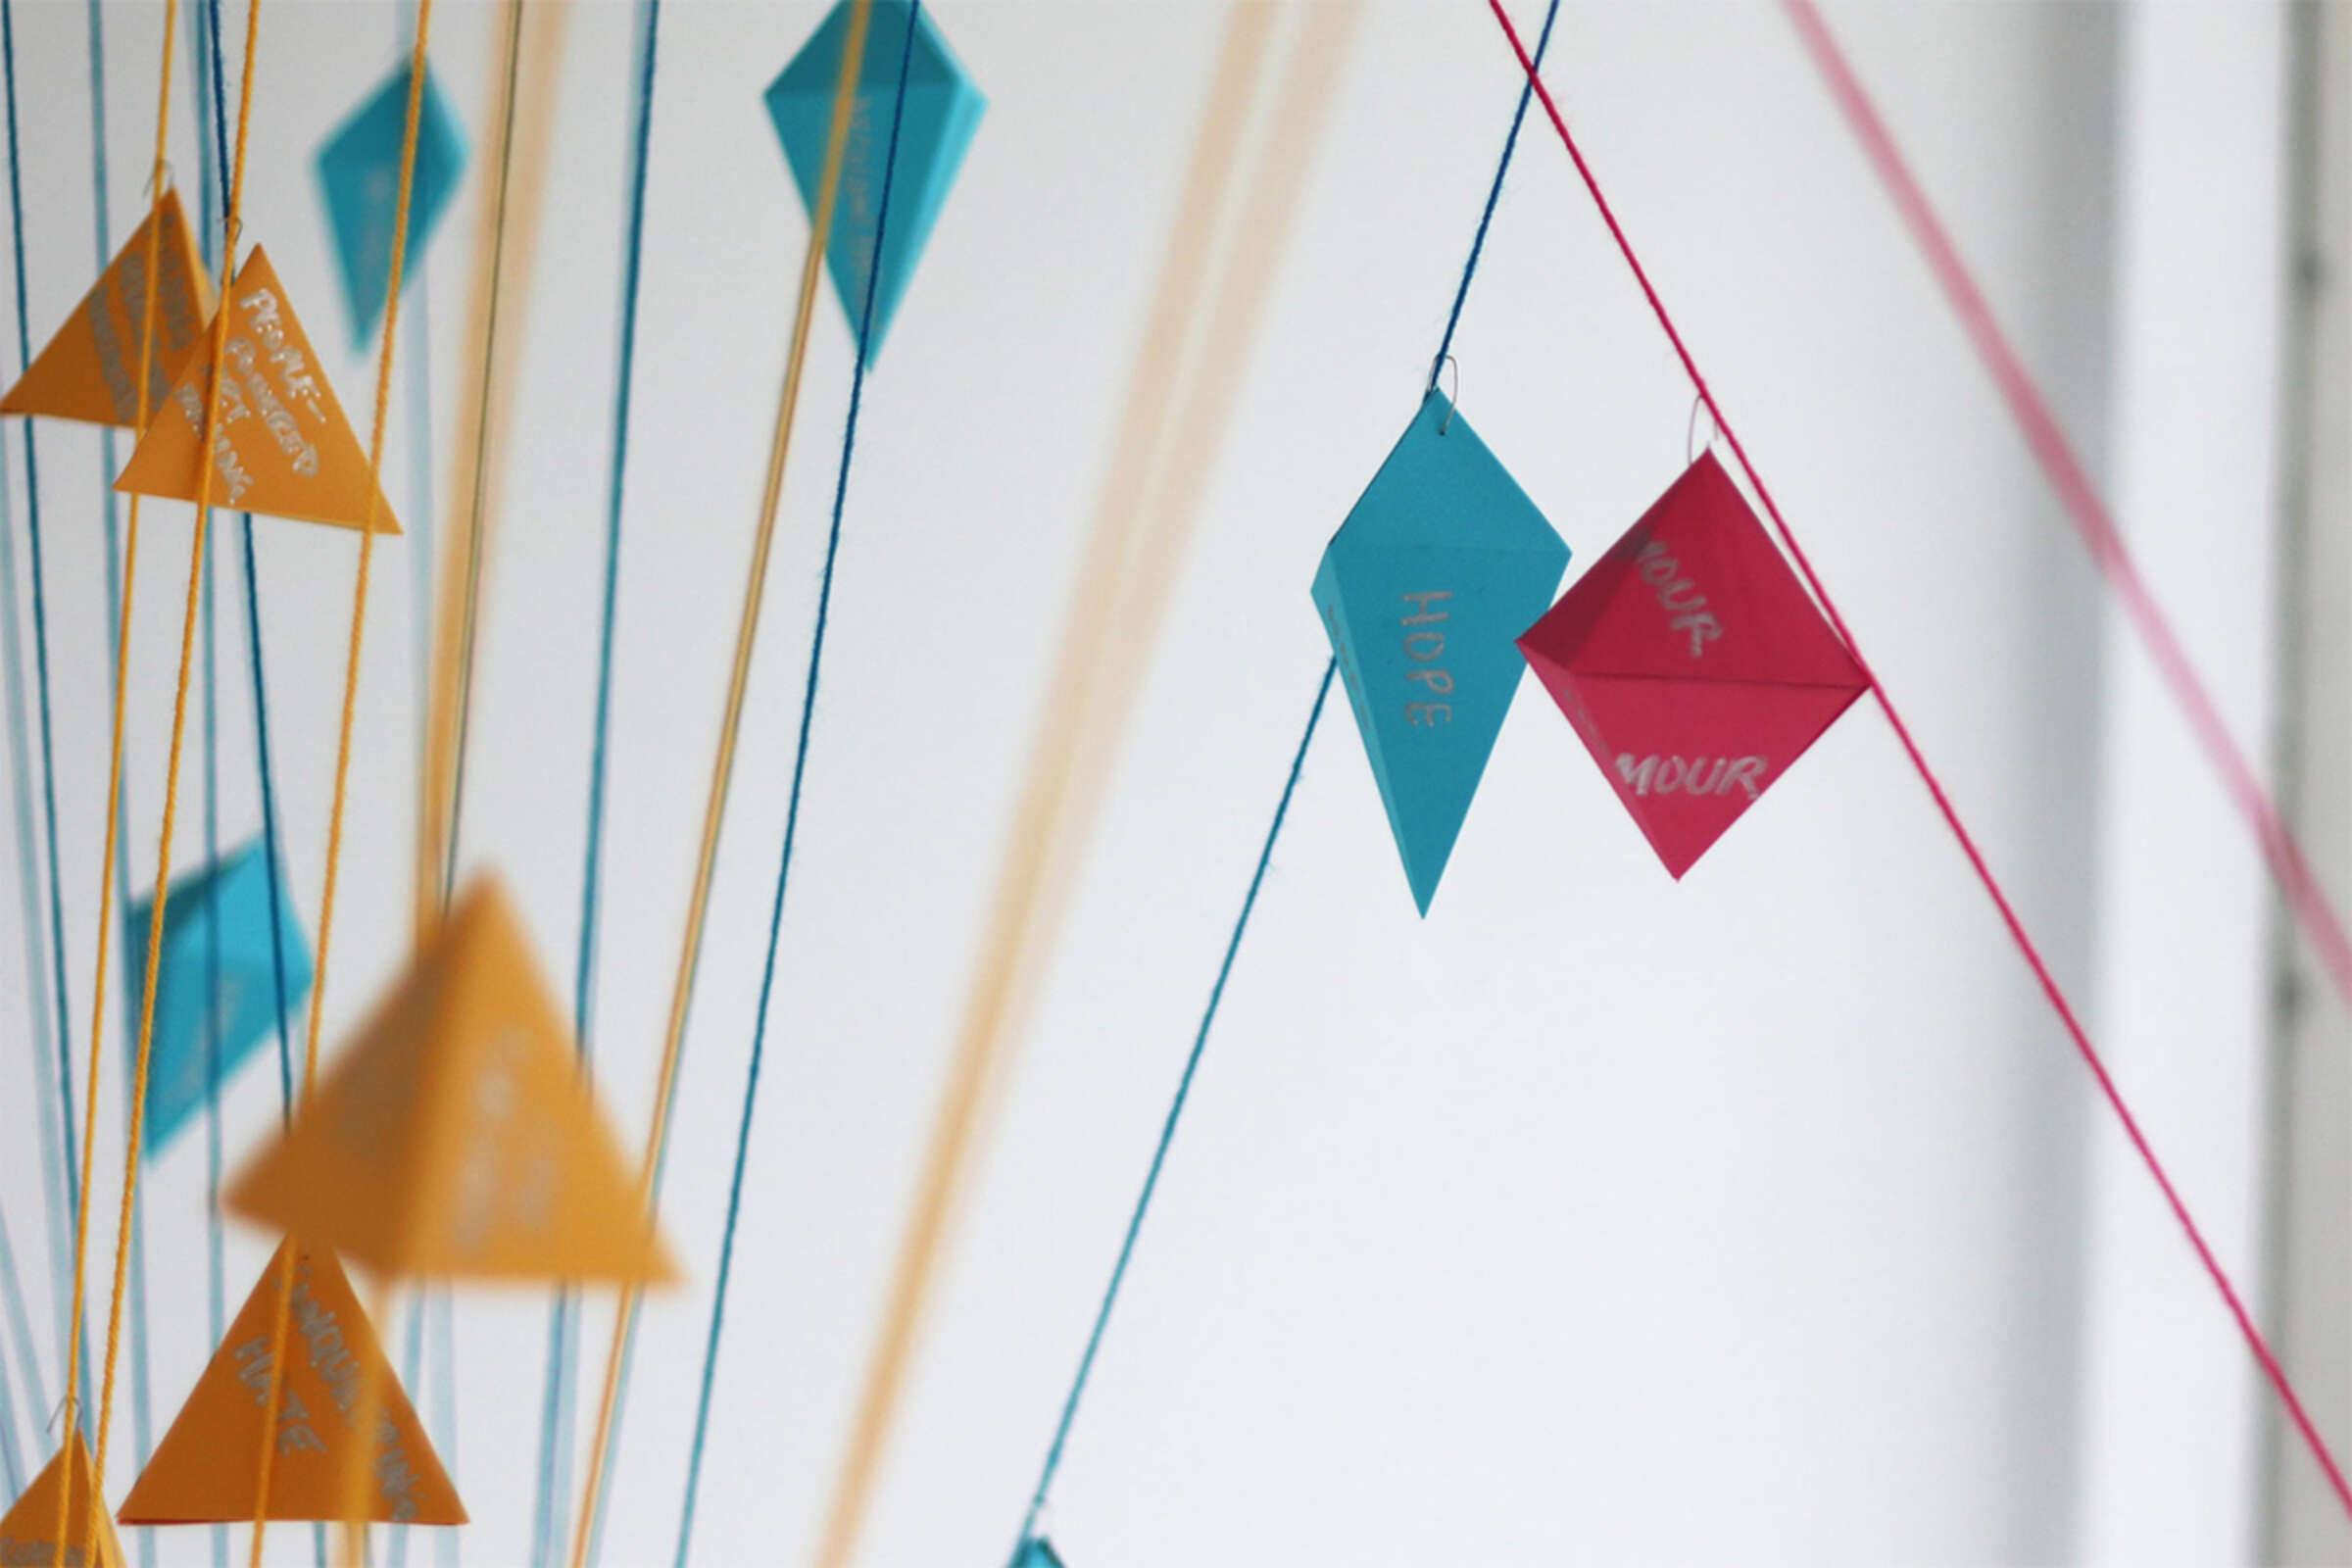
x=208, y=1466
x=90, y=369
x=282, y=445
x=29, y=1529
x=457, y=1135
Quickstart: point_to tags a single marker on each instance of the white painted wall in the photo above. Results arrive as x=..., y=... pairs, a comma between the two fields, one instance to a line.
x=1761, y=1218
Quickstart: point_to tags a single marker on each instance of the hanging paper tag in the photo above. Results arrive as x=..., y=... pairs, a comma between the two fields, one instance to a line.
x=942, y=111
x=281, y=444
x=1440, y=564
x=90, y=369
x=457, y=1135
x=359, y=182
x=1693, y=665
x=207, y=1469
x=218, y=914
x=29, y=1529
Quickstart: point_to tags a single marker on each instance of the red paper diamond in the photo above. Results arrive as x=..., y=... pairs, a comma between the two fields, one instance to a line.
x=1693, y=665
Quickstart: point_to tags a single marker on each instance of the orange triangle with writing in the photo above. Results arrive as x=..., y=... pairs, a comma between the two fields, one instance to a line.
x=90, y=369
x=207, y=1467
x=281, y=444
x=457, y=1136
x=29, y=1529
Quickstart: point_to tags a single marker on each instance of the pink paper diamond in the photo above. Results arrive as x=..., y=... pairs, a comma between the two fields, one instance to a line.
x=1693, y=665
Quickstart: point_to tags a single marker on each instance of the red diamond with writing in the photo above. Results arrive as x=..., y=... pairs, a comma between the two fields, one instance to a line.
x=1693, y=665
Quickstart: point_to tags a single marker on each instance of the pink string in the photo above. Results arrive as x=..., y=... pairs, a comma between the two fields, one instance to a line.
x=2051, y=989
x=2040, y=427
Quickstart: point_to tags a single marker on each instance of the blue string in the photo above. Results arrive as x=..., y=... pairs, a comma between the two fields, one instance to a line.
x=20, y=1321
x=28, y=928
x=552, y=1496
x=1216, y=995
x=40, y=637
x=1477, y=242
x=1168, y=1131
x=792, y=808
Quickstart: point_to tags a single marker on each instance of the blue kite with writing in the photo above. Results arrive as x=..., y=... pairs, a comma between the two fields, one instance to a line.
x=1440, y=566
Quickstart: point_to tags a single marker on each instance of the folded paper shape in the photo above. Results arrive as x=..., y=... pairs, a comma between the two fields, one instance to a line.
x=29, y=1529
x=457, y=1136
x=359, y=182
x=1437, y=568
x=1036, y=1553
x=207, y=1467
x=222, y=910
x=942, y=111
x=1693, y=665
x=282, y=445
x=90, y=369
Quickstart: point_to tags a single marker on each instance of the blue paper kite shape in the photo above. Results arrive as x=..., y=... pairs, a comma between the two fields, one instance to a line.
x=942, y=111
x=1036, y=1553
x=227, y=902
x=358, y=180
x=1441, y=564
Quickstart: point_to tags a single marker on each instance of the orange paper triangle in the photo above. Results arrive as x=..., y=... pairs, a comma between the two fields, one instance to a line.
x=29, y=1529
x=90, y=369
x=206, y=1469
x=457, y=1136
x=282, y=445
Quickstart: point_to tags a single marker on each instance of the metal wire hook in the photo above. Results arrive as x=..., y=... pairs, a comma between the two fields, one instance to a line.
x=1698, y=401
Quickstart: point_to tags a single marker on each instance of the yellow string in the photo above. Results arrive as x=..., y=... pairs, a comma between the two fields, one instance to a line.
x=1149, y=498
x=113, y=798
x=472, y=517
x=351, y=695
x=820, y=230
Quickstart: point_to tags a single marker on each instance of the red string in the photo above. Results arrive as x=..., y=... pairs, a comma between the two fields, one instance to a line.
x=2304, y=896
x=2051, y=989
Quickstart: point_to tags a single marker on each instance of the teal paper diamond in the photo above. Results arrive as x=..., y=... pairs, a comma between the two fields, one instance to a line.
x=942, y=111
x=359, y=180
x=1439, y=569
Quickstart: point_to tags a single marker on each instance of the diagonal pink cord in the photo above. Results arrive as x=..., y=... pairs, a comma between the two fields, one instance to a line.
x=2051, y=989
x=2081, y=496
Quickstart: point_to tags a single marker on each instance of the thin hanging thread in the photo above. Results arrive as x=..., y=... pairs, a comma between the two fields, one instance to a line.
x=1137, y=547
x=351, y=697
x=1216, y=995
x=253, y=655
x=76, y=1375
x=513, y=217
x=550, y=1495
x=57, y=1171
x=1184, y=1090
x=12, y=1462
x=2108, y=1090
x=73, y=1164
x=179, y=708
x=792, y=807
x=1477, y=242
x=845, y=96
x=2046, y=437
x=461, y=693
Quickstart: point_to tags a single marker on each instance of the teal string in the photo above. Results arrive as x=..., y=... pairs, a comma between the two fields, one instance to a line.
x=1477, y=242
x=40, y=637
x=792, y=807
x=1168, y=1131
x=412, y=1362
x=1216, y=995
x=20, y=1323
x=552, y=1490
x=59, y=1206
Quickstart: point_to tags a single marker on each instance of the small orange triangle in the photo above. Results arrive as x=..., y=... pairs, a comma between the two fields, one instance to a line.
x=207, y=1468
x=282, y=445
x=457, y=1136
x=29, y=1529
x=90, y=369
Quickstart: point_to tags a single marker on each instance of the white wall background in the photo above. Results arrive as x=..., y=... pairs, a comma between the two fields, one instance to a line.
x=1762, y=1219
